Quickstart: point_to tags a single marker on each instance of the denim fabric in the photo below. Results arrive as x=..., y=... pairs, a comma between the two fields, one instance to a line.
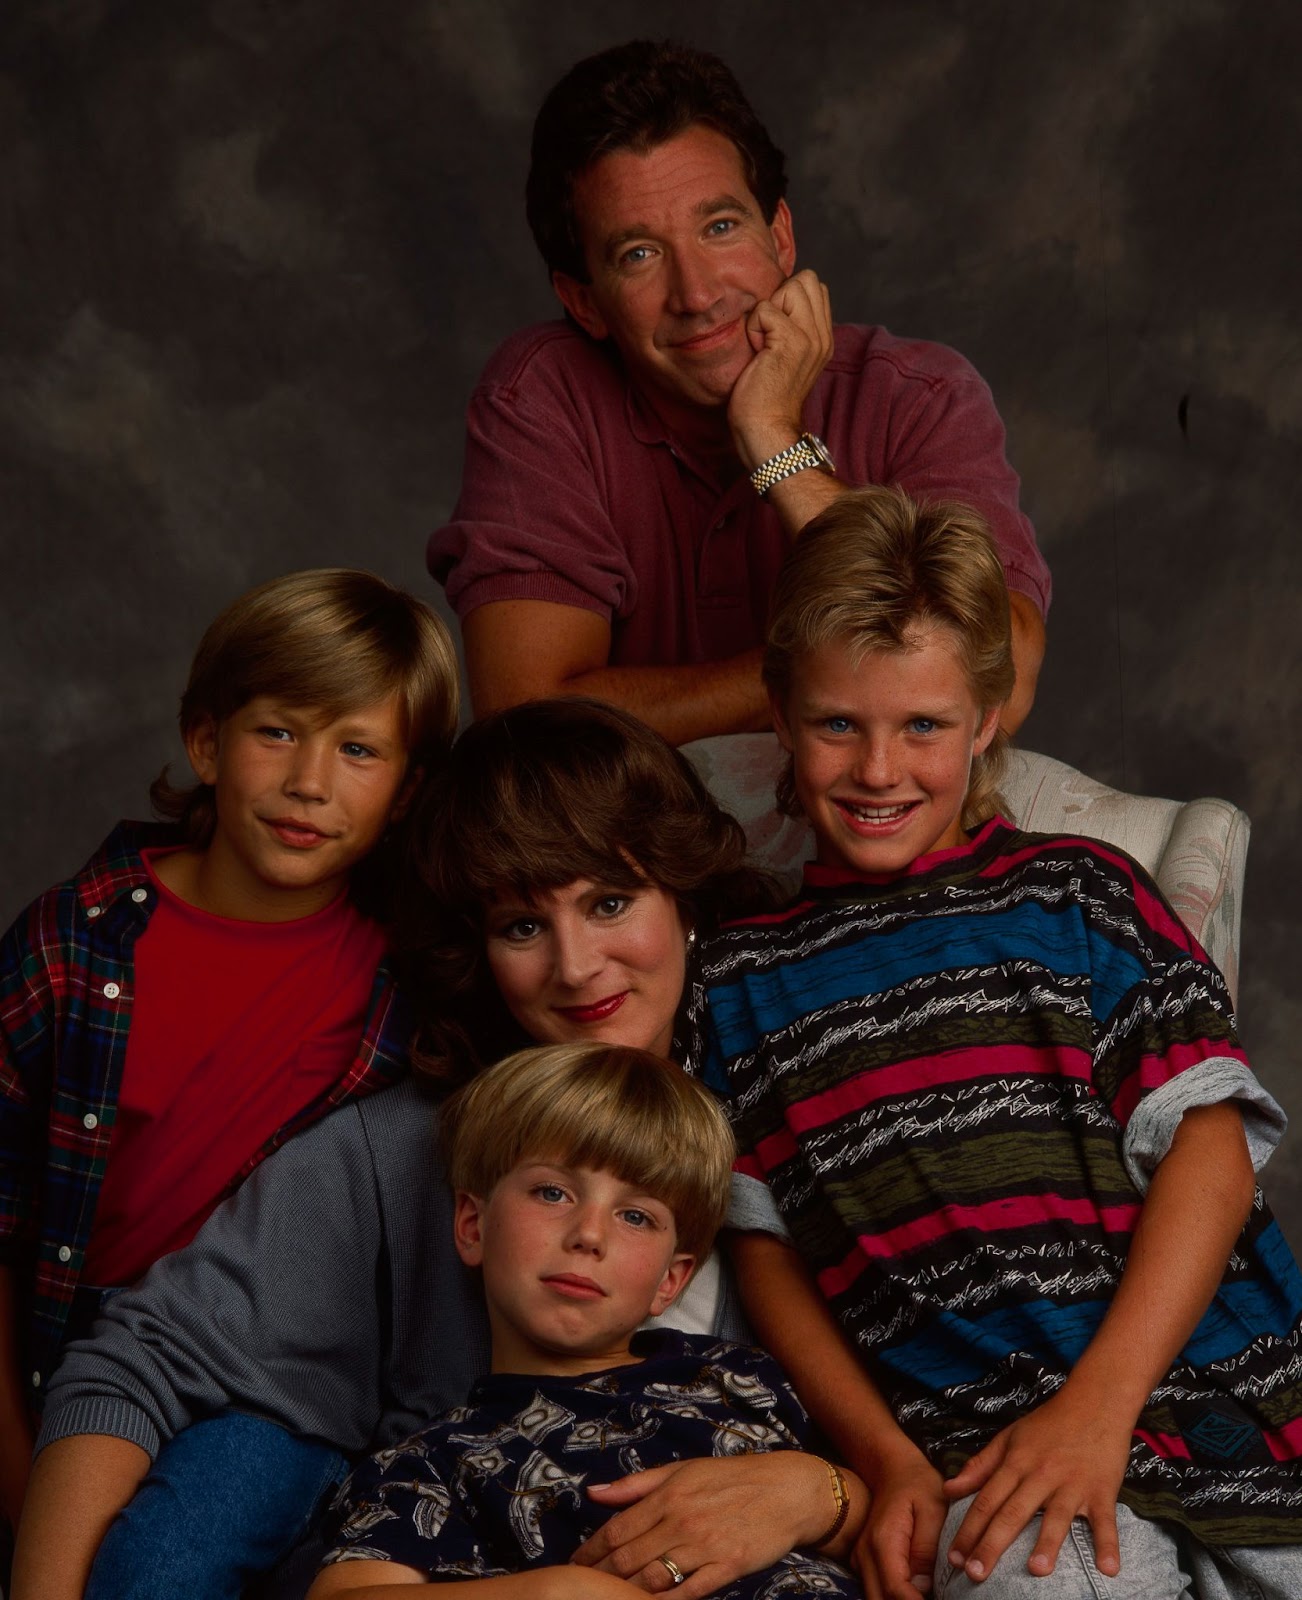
x=1152, y=1565
x=226, y=1499
x=1247, y=1572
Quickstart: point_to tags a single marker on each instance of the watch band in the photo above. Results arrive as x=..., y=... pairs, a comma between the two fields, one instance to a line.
x=808, y=451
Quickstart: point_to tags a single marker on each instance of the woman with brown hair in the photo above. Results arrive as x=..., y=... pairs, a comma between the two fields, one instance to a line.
x=567, y=860
x=562, y=827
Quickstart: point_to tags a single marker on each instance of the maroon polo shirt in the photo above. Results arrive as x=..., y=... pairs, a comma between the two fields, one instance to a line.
x=575, y=492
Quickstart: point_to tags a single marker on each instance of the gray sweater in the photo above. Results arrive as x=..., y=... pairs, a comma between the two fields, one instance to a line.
x=325, y=1295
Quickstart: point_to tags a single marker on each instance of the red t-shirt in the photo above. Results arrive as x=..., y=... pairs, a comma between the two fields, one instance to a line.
x=236, y=1026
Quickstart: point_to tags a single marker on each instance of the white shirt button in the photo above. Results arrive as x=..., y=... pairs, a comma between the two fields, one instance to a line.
x=139, y=895
x=93, y=911
x=64, y=1253
x=36, y=1380
x=90, y=1120
x=112, y=991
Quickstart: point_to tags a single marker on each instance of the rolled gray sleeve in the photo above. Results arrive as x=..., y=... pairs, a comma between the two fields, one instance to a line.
x=752, y=1208
x=1154, y=1120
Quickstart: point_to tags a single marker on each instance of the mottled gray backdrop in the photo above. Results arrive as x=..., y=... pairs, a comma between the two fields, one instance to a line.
x=254, y=252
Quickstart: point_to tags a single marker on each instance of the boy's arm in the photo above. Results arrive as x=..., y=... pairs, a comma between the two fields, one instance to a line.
x=16, y=1433
x=1067, y=1458
x=364, y=1579
x=793, y=1321
x=78, y=1486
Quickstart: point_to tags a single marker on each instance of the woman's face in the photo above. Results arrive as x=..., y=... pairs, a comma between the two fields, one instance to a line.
x=590, y=963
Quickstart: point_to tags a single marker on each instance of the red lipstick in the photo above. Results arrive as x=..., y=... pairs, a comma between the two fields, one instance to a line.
x=598, y=1011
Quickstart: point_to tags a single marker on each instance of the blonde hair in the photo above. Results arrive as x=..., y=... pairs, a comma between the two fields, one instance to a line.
x=872, y=570
x=332, y=638
x=605, y=1106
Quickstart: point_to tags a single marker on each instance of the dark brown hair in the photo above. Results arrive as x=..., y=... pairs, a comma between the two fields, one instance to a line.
x=532, y=799
x=635, y=96
x=870, y=571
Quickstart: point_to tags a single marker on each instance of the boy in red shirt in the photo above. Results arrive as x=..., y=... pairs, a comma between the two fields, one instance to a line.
x=204, y=988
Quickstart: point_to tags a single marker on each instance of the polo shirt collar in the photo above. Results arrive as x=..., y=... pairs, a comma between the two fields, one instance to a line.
x=648, y=428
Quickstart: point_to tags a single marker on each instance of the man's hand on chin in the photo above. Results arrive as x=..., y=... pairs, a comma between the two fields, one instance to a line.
x=791, y=334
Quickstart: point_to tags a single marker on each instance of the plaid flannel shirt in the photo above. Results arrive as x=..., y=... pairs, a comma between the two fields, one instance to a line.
x=66, y=970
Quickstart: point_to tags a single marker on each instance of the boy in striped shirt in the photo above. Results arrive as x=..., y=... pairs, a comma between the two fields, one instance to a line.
x=1015, y=1261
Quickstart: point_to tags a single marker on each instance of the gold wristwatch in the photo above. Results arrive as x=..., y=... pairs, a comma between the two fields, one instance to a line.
x=808, y=451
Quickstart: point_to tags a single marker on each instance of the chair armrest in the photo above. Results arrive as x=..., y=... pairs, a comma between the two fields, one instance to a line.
x=1201, y=874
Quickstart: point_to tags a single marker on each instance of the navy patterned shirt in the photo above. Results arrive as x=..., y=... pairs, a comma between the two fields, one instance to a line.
x=500, y=1485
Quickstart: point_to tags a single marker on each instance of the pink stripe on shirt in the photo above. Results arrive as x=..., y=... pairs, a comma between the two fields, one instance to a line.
x=1155, y=1070
x=933, y=1071
x=1285, y=1443
x=1016, y=1211
x=1170, y=1445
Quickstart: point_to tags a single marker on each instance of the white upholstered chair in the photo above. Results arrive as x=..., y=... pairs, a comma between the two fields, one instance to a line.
x=1195, y=849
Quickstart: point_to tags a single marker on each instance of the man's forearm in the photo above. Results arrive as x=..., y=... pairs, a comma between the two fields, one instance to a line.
x=78, y=1486
x=518, y=650
x=800, y=498
x=687, y=702
x=693, y=702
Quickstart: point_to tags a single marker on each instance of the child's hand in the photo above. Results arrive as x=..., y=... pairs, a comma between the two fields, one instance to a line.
x=896, y=1553
x=1065, y=1459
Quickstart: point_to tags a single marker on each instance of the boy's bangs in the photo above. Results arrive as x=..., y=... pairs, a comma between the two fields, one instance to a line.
x=606, y=1107
x=334, y=640
x=336, y=683
x=646, y=1155
x=634, y=1125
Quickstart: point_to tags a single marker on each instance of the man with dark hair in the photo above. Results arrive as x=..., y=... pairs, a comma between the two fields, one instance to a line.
x=635, y=474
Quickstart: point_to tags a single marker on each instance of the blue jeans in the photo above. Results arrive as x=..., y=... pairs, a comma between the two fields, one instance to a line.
x=1157, y=1563
x=226, y=1499
x=1247, y=1572
x=1151, y=1565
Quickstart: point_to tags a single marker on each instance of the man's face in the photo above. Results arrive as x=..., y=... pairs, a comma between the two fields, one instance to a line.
x=678, y=253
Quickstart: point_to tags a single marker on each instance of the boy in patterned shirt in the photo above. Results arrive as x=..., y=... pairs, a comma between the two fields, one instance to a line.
x=590, y=1179
x=992, y=1086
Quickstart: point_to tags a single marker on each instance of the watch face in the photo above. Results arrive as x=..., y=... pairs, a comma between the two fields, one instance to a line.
x=820, y=450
